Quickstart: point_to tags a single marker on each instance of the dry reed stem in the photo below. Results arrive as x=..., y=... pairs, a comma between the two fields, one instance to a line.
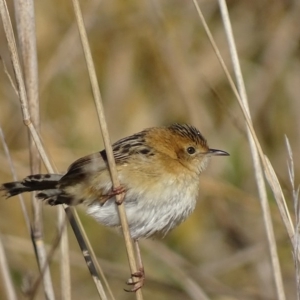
x=77, y=228
x=86, y=252
x=98, y=267
x=4, y=269
x=26, y=115
x=76, y=224
x=25, y=20
x=32, y=85
x=8, y=284
x=268, y=169
x=295, y=195
x=32, y=290
x=15, y=178
x=64, y=263
x=107, y=143
x=256, y=162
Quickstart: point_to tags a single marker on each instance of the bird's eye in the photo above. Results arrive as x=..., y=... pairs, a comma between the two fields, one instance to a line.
x=191, y=150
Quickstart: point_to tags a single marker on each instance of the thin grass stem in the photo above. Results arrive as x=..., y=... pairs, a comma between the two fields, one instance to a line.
x=24, y=104
x=256, y=161
x=4, y=269
x=107, y=142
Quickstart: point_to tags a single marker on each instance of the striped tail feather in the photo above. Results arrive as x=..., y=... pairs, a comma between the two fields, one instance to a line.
x=39, y=182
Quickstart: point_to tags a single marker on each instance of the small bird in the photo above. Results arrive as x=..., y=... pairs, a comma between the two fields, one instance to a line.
x=158, y=169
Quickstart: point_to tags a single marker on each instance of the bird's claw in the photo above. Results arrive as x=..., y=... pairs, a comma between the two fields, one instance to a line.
x=114, y=191
x=136, y=285
x=117, y=191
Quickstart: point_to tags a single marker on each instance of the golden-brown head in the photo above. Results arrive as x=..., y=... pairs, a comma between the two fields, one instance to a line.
x=183, y=143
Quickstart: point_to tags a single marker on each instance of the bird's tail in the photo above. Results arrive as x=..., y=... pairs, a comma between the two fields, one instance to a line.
x=46, y=183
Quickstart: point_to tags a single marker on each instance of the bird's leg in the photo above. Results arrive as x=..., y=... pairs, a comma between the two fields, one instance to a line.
x=117, y=191
x=140, y=274
x=114, y=191
x=139, y=260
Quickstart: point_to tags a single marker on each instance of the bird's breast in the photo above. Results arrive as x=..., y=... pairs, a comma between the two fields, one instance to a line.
x=155, y=201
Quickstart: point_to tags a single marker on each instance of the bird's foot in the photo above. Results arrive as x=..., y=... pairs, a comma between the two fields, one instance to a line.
x=118, y=191
x=114, y=191
x=136, y=285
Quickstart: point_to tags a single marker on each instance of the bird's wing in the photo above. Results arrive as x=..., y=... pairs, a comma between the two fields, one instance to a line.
x=97, y=162
x=85, y=167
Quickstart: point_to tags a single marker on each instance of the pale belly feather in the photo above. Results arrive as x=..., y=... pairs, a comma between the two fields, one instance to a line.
x=154, y=208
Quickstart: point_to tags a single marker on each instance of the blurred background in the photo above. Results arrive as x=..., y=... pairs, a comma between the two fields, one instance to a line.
x=155, y=66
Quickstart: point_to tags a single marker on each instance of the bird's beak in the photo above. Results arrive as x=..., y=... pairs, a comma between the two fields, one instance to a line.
x=217, y=152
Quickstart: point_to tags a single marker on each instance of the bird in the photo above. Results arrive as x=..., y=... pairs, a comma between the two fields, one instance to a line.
x=158, y=169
